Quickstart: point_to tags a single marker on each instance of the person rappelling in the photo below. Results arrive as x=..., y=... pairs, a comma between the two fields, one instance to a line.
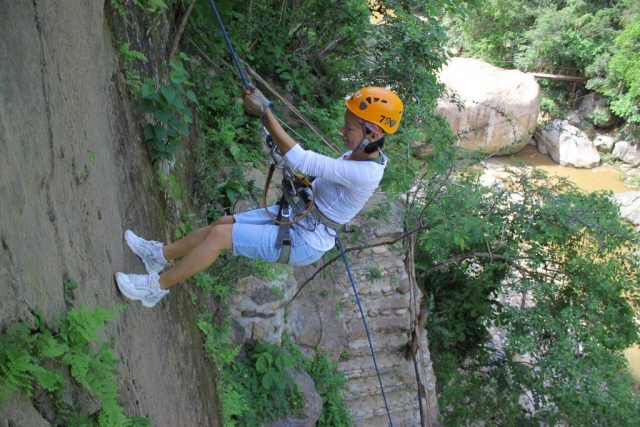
x=341, y=188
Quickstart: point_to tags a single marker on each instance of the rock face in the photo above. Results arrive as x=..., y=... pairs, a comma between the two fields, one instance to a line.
x=500, y=106
x=567, y=145
x=629, y=205
x=75, y=175
x=594, y=108
x=603, y=143
x=325, y=315
x=628, y=153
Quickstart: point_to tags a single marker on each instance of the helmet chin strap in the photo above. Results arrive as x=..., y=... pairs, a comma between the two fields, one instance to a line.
x=365, y=141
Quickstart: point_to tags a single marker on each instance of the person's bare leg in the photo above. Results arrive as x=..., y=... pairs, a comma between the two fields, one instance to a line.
x=201, y=256
x=187, y=243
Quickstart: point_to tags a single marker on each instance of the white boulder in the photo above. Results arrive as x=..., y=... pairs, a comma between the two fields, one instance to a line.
x=567, y=145
x=627, y=152
x=629, y=203
x=603, y=143
x=500, y=106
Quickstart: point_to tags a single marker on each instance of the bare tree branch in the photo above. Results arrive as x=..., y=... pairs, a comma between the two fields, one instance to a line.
x=176, y=39
x=469, y=255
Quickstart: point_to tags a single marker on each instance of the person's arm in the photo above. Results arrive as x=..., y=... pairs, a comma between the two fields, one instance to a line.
x=318, y=165
x=257, y=105
x=280, y=137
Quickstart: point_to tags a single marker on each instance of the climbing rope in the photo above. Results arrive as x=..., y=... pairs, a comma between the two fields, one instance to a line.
x=366, y=328
x=233, y=52
x=287, y=171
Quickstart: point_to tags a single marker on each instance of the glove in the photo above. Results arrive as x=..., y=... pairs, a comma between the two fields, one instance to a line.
x=255, y=102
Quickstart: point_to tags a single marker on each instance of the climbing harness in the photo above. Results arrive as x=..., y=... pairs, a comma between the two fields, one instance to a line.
x=297, y=202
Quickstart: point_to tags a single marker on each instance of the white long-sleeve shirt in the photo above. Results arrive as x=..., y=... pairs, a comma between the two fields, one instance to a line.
x=342, y=187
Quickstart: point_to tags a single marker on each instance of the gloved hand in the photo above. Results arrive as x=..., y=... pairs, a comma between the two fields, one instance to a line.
x=255, y=102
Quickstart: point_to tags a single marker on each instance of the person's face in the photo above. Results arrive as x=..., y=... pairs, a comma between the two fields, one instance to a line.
x=351, y=131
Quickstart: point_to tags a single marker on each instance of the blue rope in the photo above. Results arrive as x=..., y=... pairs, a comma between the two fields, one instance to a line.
x=233, y=52
x=366, y=328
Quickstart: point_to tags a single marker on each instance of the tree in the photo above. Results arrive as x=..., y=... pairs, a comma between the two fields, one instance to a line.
x=554, y=270
x=624, y=74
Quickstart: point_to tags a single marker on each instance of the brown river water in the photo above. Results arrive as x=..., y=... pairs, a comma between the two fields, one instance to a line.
x=602, y=178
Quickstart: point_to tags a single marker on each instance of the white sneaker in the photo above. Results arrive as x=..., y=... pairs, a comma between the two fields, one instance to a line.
x=141, y=287
x=149, y=251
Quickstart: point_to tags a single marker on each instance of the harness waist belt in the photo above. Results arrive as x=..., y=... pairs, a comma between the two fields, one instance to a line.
x=322, y=218
x=315, y=212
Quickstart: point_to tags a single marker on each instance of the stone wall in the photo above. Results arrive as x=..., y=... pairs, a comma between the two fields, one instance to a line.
x=325, y=315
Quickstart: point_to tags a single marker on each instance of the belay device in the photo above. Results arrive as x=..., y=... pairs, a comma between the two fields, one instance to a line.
x=294, y=196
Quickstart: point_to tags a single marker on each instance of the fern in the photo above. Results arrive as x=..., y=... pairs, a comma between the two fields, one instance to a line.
x=24, y=347
x=16, y=362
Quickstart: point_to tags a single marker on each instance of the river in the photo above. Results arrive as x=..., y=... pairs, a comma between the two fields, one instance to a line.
x=602, y=178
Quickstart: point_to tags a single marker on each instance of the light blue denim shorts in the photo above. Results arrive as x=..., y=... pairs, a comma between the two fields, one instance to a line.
x=254, y=236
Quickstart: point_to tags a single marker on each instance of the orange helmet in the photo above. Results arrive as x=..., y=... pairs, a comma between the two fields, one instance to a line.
x=377, y=105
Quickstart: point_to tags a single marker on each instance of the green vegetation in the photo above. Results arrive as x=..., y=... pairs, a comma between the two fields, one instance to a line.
x=600, y=37
x=131, y=74
x=36, y=360
x=623, y=80
x=151, y=6
x=166, y=103
x=372, y=274
x=564, y=262
x=564, y=253
x=217, y=341
x=264, y=379
x=329, y=385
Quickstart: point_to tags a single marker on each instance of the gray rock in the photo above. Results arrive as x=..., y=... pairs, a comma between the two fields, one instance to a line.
x=500, y=106
x=603, y=143
x=627, y=152
x=237, y=332
x=378, y=250
x=594, y=108
x=629, y=205
x=253, y=313
x=567, y=145
x=264, y=295
x=19, y=411
x=397, y=303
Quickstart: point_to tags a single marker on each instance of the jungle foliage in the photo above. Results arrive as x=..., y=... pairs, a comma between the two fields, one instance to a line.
x=598, y=36
x=565, y=254
x=51, y=363
x=552, y=271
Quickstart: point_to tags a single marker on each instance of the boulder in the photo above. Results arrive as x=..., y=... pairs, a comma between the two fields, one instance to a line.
x=629, y=203
x=567, y=145
x=627, y=152
x=594, y=109
x=499, y=107
x=582, y=124
x=258, y=308
x=314, y=323
x=603, y=143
